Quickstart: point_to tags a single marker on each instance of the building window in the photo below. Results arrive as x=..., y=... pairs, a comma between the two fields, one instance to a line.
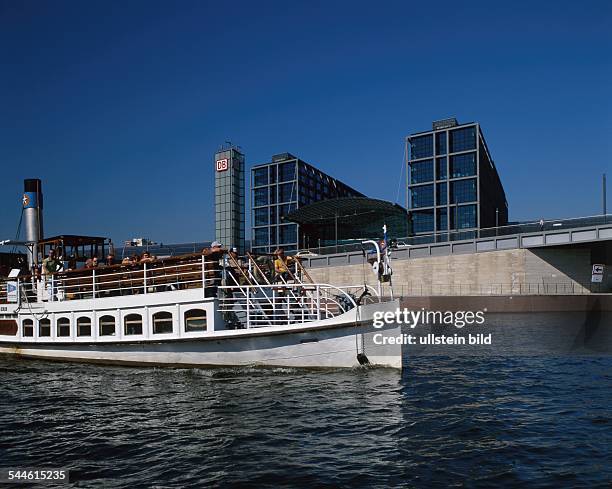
x=132, y=324
x=260, y=197
x=273, y=235
x=463, y=165
x=107, y=325
x=423, y=221
x=464, y=215
x=441, y=196
x=44, y=327
x=272, y=198
x=463, y=191
x=421, y=147
x=422, y=196
x=272, y=172
x=463, y=139
x=273, y=214
x=286, y=172
x=261, y=216
x=286, y=192
x=27, y=327
x=260, y=176
x=421, y=171
x=162, y=322
x=285, y=210
x=288, y=233
x=83, y=326
x=442, y=220
x=195, y=320
x=63, y=327
x=441, y=168
x=260, y=237
x=441, y=143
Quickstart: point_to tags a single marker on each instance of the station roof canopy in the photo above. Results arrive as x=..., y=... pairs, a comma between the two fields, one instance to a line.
x=345, y=207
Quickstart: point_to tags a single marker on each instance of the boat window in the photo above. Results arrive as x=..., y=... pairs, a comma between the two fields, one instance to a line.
x=162, y=322
x=28, y=327
x=63, y=327
x=84, y=326
x=133, y=324
x=107, y=326
x=44, y=327
x=195, y=320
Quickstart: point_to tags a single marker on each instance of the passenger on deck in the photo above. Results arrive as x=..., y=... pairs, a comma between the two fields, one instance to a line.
x=110, y=259
x=72, y=262
x=216, y=247
x=237, y=268
x=50, y=264
x=91, y=262
x=281, y=272
x=59, y=255
x=146, y=257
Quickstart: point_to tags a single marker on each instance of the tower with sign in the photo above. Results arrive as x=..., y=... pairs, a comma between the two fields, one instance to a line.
x=229, y=197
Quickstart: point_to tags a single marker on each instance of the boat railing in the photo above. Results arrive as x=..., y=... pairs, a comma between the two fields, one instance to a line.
x=252, y=306
x=106, y=282
x=237, y=275
x=293, y=290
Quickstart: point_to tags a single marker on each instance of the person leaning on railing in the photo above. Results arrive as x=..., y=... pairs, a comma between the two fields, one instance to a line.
x=91, y=262
x=131, y=260
x=146, y=257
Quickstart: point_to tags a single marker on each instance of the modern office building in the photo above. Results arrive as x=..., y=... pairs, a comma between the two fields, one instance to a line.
x=280, y=187
x=229, y=197
x=453, y=184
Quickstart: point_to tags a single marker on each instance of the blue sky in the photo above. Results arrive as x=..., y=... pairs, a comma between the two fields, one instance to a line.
x=119, y=106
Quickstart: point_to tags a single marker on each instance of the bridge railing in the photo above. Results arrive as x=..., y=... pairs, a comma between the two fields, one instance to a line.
x=548, y=225
x=417, y=289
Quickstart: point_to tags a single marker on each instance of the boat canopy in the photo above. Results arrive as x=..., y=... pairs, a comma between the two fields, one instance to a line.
x=81, y=247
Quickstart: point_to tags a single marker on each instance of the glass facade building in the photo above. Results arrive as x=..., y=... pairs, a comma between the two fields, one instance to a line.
x=280, y=187
x=453, y=184
x=229, y=198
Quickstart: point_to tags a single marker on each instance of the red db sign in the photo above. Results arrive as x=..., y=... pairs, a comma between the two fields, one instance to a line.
x=222, y=164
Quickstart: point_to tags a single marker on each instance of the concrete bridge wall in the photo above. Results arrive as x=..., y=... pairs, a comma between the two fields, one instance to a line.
x=554, y=270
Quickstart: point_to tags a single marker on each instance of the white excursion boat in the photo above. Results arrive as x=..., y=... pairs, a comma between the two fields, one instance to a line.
x=202, y=309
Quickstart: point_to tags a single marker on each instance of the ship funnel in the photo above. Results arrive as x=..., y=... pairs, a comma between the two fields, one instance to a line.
x=32, y=213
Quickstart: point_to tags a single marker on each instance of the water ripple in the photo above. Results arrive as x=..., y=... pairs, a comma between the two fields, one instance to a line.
x=448, y=421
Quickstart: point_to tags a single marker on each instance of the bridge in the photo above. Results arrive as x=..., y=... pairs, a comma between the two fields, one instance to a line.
x=526, y=235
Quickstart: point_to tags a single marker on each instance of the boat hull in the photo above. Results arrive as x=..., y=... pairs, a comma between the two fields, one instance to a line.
x=328, y=347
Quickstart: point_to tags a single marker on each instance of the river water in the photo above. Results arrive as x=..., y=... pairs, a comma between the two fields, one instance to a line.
x=534, y=409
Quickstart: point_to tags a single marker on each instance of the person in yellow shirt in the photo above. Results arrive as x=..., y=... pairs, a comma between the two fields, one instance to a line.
x=281, y=272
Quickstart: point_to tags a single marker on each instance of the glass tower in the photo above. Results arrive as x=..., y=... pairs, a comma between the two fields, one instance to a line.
x=280, y=187
x=229, y=198
x=453, y=185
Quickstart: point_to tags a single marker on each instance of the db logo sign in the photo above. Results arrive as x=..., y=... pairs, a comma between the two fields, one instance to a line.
x=222, y=164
